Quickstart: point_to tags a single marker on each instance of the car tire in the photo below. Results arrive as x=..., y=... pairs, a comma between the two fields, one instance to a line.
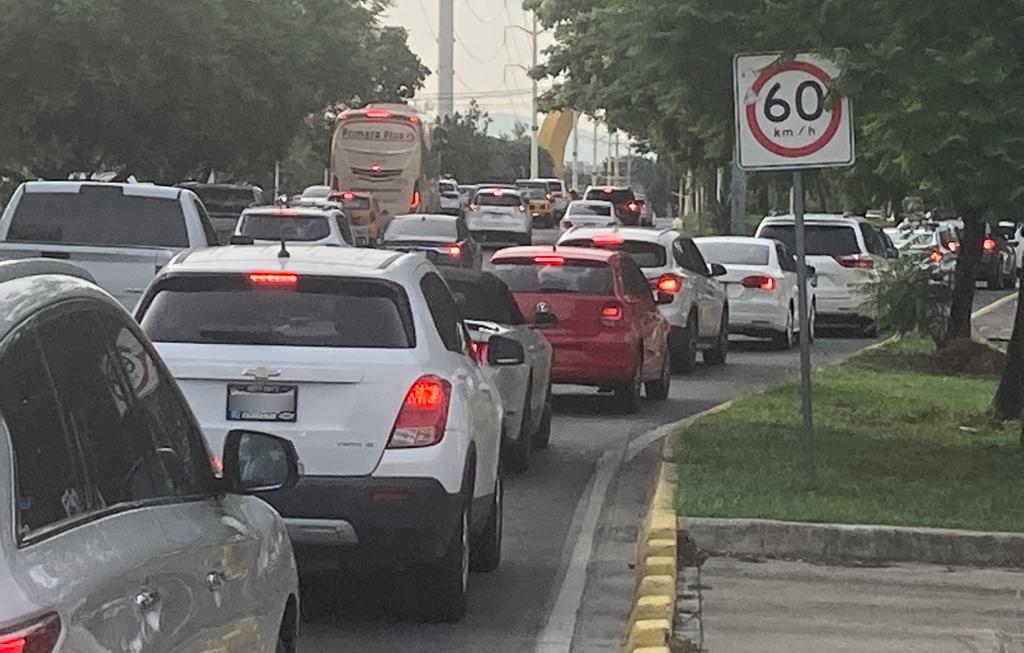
x=542, y=437
x=720, y=352
x=812, y=323
x=627, y=395
x=783, y=340
x=517, y=454
x=444, y=585
x=485, y=548
x=658, y=390
x=287, y=636
x=683, y=347
x=1010, y=280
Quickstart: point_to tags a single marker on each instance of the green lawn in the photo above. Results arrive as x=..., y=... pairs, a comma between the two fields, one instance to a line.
x=890, y=451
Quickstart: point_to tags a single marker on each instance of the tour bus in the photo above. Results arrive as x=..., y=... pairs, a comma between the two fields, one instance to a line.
x=384, y=150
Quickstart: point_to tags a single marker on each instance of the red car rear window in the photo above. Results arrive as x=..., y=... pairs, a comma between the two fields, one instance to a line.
x=573, y=276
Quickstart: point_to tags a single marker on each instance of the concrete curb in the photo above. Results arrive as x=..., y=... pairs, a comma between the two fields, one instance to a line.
x=649, y=628
x=850, y=543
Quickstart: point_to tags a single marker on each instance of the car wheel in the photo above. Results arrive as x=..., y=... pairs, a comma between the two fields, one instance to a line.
x=683, y=347
x=518, y=452
x=658, y=390
x=812, y=325
x=445, y=583
x=628, y=395
x=287, y=636
x=784, y=339
x=485, y=549
x=718, y=355
x=542, y=437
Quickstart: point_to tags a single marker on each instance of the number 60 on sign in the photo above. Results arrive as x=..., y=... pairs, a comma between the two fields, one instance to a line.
x=787, y=116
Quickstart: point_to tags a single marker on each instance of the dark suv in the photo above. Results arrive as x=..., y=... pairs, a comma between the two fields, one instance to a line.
x=627, y=208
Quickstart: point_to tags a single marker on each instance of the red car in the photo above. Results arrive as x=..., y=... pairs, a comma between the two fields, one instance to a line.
x=598, y=312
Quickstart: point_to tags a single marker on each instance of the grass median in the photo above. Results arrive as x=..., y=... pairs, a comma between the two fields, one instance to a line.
x=896, y=444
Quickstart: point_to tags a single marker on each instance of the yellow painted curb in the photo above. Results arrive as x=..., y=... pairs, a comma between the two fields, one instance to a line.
x=654, y=599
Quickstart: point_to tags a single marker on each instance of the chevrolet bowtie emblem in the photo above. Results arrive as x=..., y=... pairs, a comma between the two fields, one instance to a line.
x=261, y=373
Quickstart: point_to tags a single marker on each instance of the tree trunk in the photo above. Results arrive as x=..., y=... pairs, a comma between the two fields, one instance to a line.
x=964, y=277
x=1009, y=400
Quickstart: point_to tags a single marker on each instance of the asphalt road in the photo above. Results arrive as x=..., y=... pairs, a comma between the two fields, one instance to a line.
x=569, y=522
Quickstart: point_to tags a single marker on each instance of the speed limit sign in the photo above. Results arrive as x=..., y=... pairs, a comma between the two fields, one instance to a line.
x=787, y=116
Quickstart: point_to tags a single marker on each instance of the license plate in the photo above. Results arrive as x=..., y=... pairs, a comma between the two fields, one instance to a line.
x=261, y=402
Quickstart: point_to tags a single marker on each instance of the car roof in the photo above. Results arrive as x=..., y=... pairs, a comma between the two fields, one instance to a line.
x=837, y=218
x=738, y=240
x=592, y=203
x=426, y=217
x=529, y=251
x=133, y=190
x=304, y=210
x=628, y=233
x=302, y=259
x=602, y=187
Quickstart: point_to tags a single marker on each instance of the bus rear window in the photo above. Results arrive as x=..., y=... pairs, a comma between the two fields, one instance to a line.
x=315, y=312
x=572, y=276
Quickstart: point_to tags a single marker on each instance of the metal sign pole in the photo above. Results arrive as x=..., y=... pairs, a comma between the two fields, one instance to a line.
x=807, y=426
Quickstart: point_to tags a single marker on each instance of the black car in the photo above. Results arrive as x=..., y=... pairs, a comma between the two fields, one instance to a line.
x=225, y=203
x=998, y=267
x=444, y=237
x=627, y=208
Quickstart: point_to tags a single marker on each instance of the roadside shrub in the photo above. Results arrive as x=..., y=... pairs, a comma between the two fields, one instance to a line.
x=908, y=297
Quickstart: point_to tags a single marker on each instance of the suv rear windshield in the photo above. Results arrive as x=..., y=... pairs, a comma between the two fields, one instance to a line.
x=264, y=226
x=315, y=312
x=493, y=199
x=554, y=186
x=99, y=215
x=821, y=240
x=616, y=197
x=574, y=276
x=646, y=255
x=357, y=203
x=419, y=228
x=603, y=210
x=447, y=187
x=734, y=253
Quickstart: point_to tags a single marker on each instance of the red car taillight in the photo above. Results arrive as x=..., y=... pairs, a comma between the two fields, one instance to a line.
x=862, y=261
x=989, y=244
x=454, y=251
x=611, y=314
x=935, y=256
x=761, y=282
x=667, y=282
x=38, y=636
x=424, y=414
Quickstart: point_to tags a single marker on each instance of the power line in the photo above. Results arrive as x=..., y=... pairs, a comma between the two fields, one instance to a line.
x=478, y=59
x=423, y=10
x=469, y=5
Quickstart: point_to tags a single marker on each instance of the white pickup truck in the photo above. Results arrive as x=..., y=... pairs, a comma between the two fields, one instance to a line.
x=122, y=234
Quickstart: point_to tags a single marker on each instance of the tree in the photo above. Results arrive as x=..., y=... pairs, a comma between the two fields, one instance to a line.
x=469, y=153
x=1009, y=399
x=164, y=89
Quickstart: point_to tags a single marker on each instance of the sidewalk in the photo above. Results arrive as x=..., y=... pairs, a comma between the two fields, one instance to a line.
x=997, y=326
x=796, y=607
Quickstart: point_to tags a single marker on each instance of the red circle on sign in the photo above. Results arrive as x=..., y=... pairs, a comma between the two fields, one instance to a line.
x=810, y=148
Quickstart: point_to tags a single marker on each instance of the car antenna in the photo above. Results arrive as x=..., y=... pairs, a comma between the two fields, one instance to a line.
x=283, y=253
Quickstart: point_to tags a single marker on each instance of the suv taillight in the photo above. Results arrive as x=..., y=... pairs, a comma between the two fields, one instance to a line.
x=37, y=636
x=862, y=261
x=611, y=314
x=421, y=420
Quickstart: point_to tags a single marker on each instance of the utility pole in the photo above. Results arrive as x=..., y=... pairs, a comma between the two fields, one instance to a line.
x=575, y=149
x=629, y=165
x=534, y=128
x=446, y=59
x=594, y=181
x=618, y=177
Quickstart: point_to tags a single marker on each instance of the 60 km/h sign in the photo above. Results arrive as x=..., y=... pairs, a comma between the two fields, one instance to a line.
x=786, y=116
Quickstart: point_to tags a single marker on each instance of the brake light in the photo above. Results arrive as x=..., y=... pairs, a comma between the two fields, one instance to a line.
x=415, y=200
x=478, y=350
x=498, y=192
x=421, y=420
x=611, y=314
x=607, y=239
x=348, y=196
x=377, y=113
x=989, y=244
x=39, y=636
x=608, y=189
x=760, y=282
x=376, y=167
x=862, y=261
x=935, y=256
x=549, y=260
x=275, y=279
x=454, y=251
x=953, y=245
x=285, y=212
x=669, y=283
x=633, y=206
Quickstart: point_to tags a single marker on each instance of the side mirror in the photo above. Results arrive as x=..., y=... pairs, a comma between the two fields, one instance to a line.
x=718, y=270
x=545, y=319
x=502, y=351
x=662, y=297
x=259, y=462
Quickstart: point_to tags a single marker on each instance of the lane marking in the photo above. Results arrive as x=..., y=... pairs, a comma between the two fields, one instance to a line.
x=997, y=304
x=561, y=622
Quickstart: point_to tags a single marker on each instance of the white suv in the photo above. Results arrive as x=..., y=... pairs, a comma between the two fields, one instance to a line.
x=499, y=215
x=844, y=251
x=361, y=358
x=686, y=288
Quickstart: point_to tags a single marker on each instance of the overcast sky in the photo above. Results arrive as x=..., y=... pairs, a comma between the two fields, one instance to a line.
x=487, y=54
